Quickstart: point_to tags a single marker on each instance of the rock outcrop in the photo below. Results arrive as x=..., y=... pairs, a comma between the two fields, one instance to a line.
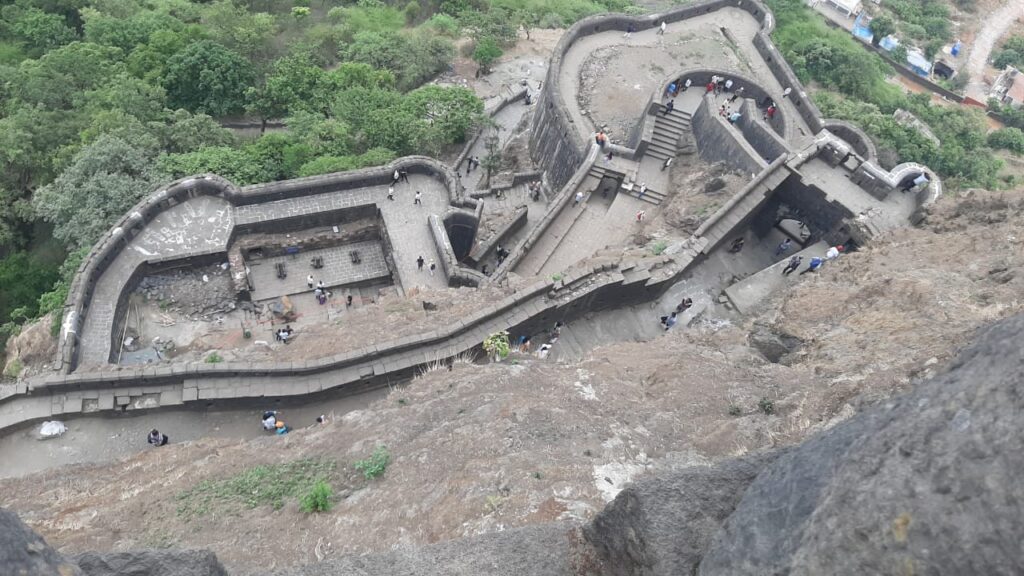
x=151, y=563
x=25, y=553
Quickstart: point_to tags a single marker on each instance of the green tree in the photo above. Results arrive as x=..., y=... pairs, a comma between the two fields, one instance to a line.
x=208, y=78
x=451, y=111
x=247, y=33
x=105, y=178
x=231, y=163
x=1011, y=139
x=23, y=277
x=331, y=164
x=296, y=82
x=148, y=61
x=881, y=26
x=39, y=31
x=57, y=80
x=413, y=59
x=486, y=52
x=183, y=131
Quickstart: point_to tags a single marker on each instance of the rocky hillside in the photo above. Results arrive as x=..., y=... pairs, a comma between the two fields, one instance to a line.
x=488, y=448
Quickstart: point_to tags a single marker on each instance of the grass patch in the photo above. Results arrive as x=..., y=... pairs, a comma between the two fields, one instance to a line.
x=376, y=464
x=13, y=368
x=269, y=485
x=213, y=358
x=318, y=499
x=658, y=247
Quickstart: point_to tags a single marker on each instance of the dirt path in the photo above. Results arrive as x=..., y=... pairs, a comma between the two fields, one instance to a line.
x=995, y=26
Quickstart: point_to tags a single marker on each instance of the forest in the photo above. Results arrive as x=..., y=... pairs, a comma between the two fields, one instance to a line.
x=102, y=101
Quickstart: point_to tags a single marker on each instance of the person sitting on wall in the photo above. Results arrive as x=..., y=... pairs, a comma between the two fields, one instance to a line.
x=269, y=420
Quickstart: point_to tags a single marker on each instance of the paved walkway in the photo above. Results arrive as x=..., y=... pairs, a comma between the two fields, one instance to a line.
x=507, y=119
x=338, y=270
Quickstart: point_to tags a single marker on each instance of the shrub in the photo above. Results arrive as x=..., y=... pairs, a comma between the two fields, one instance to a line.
x=1011, y=139
x=658, y=247
x=766, y=406
x=444, y=24
x=486, y=52
x=318, y=499
x=497, y=345
x=213, y=358
x=376, y=464
x=734, y=410
x=551, y=20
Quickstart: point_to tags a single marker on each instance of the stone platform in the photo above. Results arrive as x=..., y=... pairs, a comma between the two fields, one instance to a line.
x=338, y=270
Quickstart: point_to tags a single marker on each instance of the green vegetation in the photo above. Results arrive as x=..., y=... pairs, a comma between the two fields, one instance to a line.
x=923, y=20
x=104, y=101
x=213, y=358
x=318, y=499
x=269, y=485
x=766, y=406
x=1011, y=139
x=854, y=88
x=376, y=464
x=1010, y=54
x=735, y=410
x=658, y=247
x=497, y=345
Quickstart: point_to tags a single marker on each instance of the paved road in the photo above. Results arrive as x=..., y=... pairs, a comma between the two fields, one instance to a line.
x=993, y=28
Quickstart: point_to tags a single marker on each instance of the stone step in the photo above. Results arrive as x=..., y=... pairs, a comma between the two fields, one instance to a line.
x=672, y=124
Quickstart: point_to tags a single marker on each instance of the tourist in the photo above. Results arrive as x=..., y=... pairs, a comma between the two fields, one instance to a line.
x=391, y=192
x=643, y=189
x=784, y=247
x=641, y=215
x=669, y=321
x=737, y=245
x=669, y=106
x=309, y=281
x=348, y=301
x=321, y=298
x=629, y=31
x=404, y=174
x=728, y=85
x=720, y=85
x=433, y=266
x=543, y=351
x=661, y=29
x=814, y=265
x=834, y=252
x=320, y=285
x=792, y=265
x=735, y=117
x=724, y=110
x=419, y=263
x=770, y=112
x=416, y=199
x=737, y=94
x=395, y=177
x=684, y=305
x=269, y=420
x=786, y=92
x=578, y=198
x=321, y=419
x=671, y=89
x=668, y=162
x=686, y=84
x=483, y=270
x=608, y=158
x=281, y=428
x=156, y=438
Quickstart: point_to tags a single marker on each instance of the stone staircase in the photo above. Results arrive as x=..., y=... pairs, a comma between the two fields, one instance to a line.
x=650, y=196
x=667, y=130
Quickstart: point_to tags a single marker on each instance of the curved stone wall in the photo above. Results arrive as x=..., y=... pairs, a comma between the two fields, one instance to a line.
x=110, y=246
x=751, y=89
x=855, y=137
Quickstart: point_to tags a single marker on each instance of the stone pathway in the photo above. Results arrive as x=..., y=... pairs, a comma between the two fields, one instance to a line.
x=339, y=269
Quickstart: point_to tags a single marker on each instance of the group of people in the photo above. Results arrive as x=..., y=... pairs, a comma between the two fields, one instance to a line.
x=284, y=334
x=320, y=292
x=678, y=86
x=814, y=264
x=732, y=115
x=400, y=175
x=534, y=188
x=471, y=163
x=719, y=84
x=420, y=262
x=673, y=317
x=271, y=423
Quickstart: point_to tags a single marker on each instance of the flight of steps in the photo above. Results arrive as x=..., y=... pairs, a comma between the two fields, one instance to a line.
x=579, y=338
x=667, y=130
x=650, y=196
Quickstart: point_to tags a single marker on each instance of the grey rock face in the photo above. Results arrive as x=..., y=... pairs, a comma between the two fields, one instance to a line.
x=928, y=483
x=23, y=552
x=151, y=563
x=772, y=345
x=662, y=525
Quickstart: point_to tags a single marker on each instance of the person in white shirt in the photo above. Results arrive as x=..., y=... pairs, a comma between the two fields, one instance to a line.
x=834, y=252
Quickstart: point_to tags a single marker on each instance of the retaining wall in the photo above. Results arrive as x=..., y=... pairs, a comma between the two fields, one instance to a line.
x=768, y=144
x=718, y=142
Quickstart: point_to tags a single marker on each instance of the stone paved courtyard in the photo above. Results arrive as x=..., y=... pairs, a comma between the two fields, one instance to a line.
x=338, y=270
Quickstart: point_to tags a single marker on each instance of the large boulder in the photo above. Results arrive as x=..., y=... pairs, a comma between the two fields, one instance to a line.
x=927, y=483
x=151, y=563
x=25, y=553
x=661, y=525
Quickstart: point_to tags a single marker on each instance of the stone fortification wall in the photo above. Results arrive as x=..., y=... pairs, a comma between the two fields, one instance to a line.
x=855, y=137
x=767, y=142
x=718, y=142
x=134, y=221
x=751, y=89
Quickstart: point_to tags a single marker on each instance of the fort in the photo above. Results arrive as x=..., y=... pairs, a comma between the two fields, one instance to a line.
x=805, y=177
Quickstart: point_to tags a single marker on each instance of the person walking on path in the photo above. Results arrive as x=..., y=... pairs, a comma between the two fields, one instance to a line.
x=309, y=281
x=643, y=190
x=661, y=29
x=668, y=163
x=577, y=199
x=813, y=266
x=394, y=178
x=608, y=158
x=416, y=199
x=792, y=265
x=629, y=31
x=684, y=305
x=786, y=92
x=784, y=247
x=641, y=215
x=156, y=438
x=391, y=192
x=404, y=174
x=669, y=321
x=686, y=85
x=419, y=263
x=669, y=106
x=834, y=252
x=728, y=85
x=710, y=87
x=433, y=266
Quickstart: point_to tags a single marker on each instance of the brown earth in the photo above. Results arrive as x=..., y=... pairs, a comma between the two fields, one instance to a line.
x=483, y=448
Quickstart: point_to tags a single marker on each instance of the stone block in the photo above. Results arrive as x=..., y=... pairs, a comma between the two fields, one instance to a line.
x=123, y=400
x=105, y=402
x=171, y=397
x=207, y=393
